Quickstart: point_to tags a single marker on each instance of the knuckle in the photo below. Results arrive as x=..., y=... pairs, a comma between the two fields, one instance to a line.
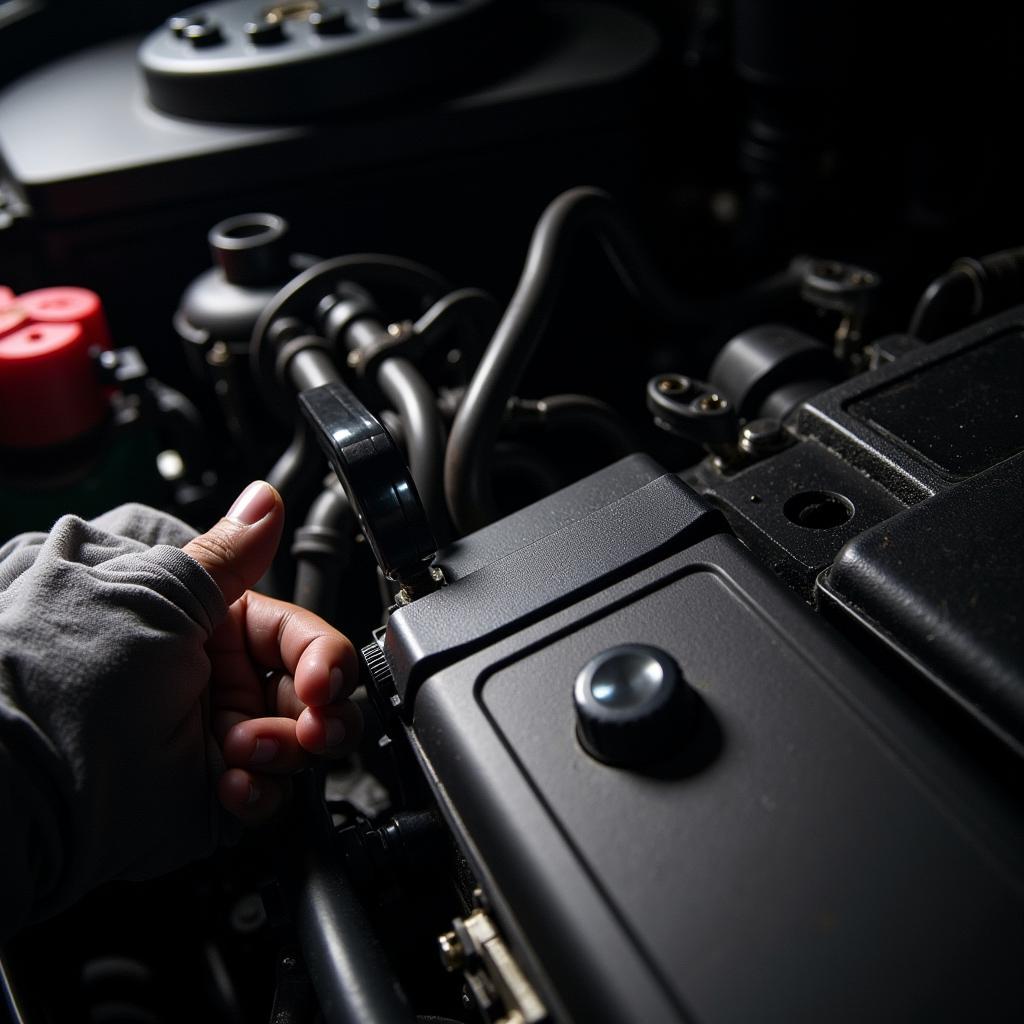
x=218, y=545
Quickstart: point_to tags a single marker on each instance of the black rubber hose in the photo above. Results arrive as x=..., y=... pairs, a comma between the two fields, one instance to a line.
x=476, y=426
x=293, y=475
x=580, y=412
x=299, y=467
x=322, y=549
x=413, y=399
x=422, y=429
x=969, y=290
x=301, y=296
x=391, y=420
x=945, y=301
x=289, y=466
x=353, y=981
x=331, y=508
x=465, y=307
x=312, y=368
x=302, y=463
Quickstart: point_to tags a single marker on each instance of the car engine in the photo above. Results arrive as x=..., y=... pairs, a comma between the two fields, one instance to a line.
x=645, y=386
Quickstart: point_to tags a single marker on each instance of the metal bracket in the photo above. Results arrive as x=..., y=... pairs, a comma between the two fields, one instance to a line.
x=494, y=979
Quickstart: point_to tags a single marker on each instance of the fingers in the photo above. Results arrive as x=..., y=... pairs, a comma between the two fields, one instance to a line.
x=280, y=697
x=238, y=550
x=320, y=660
x=312, y=663
x=262, y=752
x=333, y=730
x=315, y=667
x=251, y=798
x=264, y=745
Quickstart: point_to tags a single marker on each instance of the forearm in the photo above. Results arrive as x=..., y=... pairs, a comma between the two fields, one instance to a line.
x=105, y=770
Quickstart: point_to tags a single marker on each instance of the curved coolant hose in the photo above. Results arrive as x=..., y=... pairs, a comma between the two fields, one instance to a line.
x=301, y=464
x=946, y=299
x=581, y=412
x=300, y=297
x=413, y=399
x=466, y=306
x=476, y=426
x=289, y=465
x=322, y=548
x=354, y=981
x=969, y=290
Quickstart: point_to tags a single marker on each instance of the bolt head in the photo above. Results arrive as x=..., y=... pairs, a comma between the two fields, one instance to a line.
x=762, y=437
x=673, y=385
x=712, y=403
x=762, y=429
x=452, y=954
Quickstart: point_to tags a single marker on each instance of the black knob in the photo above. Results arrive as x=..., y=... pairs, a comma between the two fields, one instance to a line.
x=180, y=22
x=632, y=705
x=387, y=8
x=330, y=23
x=264, y=33
x=205, y=33
x=377, y=666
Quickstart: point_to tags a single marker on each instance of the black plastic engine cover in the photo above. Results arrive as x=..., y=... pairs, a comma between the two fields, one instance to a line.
x=811, y=851
x=574, y=549
x=942, y=413
x=938, y=428
x=944, y=582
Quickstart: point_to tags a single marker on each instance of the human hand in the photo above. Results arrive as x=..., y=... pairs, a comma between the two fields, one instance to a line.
x=280, y=676
x=134, y=665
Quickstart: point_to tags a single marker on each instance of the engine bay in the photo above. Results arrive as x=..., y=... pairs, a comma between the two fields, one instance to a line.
x=645, y=386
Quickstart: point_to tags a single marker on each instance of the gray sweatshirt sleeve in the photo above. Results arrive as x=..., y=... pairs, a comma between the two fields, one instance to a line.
x=106, y=765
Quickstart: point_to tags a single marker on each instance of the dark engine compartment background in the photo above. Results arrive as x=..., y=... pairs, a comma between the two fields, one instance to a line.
x=841, y=837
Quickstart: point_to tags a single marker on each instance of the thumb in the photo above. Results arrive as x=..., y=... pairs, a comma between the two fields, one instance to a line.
x=238, y=550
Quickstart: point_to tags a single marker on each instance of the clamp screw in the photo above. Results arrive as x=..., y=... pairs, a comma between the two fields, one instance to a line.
x=762, y=437
x=452, y=954
x=712, y=403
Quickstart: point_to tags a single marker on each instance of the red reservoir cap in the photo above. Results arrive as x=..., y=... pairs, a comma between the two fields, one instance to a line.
x=49, y=390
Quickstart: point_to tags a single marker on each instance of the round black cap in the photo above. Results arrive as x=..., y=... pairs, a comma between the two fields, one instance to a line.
x=632, y=705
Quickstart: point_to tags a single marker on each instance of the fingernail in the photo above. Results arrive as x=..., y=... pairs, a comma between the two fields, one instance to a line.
x=336, y=682
x=256, y=501
x=265, y=750
x=335, y=730
x=254, y=793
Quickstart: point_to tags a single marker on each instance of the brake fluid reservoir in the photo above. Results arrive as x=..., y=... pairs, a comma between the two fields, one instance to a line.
x=68, y=441
x=50, y=392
